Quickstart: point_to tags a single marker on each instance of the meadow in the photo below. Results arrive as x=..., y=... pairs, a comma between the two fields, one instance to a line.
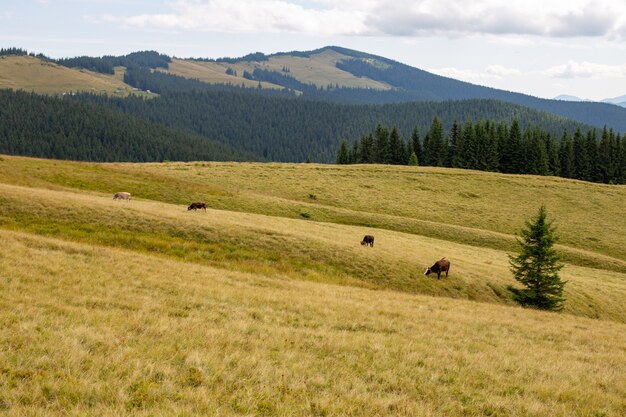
x=33, y=74
x=268, y=305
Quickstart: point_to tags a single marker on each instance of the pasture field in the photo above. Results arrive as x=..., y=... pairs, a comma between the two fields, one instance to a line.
x=33, y=74
x=268, y=305
x=316, y=69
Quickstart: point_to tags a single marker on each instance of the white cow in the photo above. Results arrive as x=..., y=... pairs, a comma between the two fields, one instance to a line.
x=122, y=196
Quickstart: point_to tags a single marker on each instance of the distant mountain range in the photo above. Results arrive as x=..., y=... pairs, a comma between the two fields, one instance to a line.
x=619, y=101
x=292, y=107
x=331, y=74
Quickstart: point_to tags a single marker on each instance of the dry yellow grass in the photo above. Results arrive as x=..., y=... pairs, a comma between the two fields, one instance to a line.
x=143, y=308
x=316, y=69
x=214, y=73
x=95, y=331
x=297, y=249
x=33, y=74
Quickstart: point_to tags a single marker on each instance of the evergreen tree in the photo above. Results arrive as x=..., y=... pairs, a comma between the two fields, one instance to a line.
x=605, y=160
x=413, y=159
x=416, y=144
x=437, y=154
x=354, y=154
x=367, y=155
x=342, y=156
x=582, y=169
x=537, y=266
x=455, y=134
x=381, y=145
x=511, y=153
x=427, y=150
x=397, y=149
x=592, y=155
x=554, y=162
x=467, y=147
x=566, y=156
x=492, y=157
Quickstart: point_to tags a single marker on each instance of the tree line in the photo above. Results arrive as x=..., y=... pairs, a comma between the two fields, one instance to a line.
x=587, y=155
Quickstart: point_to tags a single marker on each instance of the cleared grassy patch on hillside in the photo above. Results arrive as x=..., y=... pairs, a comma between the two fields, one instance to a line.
x=317, y=69
x=33, y=74
x=215, y=73
x=90, y=330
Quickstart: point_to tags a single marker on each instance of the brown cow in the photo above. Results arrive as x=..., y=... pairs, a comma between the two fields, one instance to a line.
x=368, y=240
x=197, y=206
x=442, y=265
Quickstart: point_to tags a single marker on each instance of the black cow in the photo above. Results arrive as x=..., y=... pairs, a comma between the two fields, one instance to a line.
x=368, y=240
x=442, y=265
x=197, y=206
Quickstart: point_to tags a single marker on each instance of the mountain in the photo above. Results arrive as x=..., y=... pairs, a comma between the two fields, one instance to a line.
x=565, y=97
x=341, y=74
x=620, y=101
x=331, y=73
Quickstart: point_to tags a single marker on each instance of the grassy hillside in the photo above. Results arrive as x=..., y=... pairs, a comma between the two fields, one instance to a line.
x=113, y=332
x=213, y=73
x=33, y=74
x=318, y=68
x=267, y=305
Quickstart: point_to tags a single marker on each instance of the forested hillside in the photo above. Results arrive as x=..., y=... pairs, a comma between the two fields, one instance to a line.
x=295, y=129
x=304, y=121
x=406, y=83
x=35, y=125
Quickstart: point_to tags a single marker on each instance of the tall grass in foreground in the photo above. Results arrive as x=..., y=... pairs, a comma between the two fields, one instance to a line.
x=89, y=330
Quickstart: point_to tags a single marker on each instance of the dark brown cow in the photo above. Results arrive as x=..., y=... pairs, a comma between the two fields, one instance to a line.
x=368, y=240
x=197, y=206
x=442, y=265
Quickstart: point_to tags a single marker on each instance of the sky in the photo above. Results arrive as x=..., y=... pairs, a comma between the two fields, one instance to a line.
x=544, y=48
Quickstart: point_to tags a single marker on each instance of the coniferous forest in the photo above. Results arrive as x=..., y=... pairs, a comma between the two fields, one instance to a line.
x=49, y=127
x=489, y=146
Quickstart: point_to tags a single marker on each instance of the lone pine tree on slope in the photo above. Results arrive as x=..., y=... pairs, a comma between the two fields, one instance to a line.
x=537, y=266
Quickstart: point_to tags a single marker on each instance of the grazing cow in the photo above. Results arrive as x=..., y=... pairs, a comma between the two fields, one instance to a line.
x=442, y=265
x=368, y=240
x=121, y=196
x=197, y=206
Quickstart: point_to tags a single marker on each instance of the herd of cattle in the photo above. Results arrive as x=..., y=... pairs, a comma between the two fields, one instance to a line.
x=442, y=265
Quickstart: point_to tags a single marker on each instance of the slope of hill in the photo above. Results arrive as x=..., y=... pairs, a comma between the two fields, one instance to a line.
x=319, y=67
x=34, y=74
x=330, y=73
x=145, y=308
x=294, y=130
x=52, y=127
x=467, y=228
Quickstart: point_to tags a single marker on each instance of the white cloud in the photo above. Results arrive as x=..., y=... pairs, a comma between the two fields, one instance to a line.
x=575, y=69
x=555, y=18
x=502, y=71
x=489, y=73
x=252, y=16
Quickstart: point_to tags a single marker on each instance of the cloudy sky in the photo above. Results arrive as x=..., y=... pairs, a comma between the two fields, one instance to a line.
x=540, y=47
